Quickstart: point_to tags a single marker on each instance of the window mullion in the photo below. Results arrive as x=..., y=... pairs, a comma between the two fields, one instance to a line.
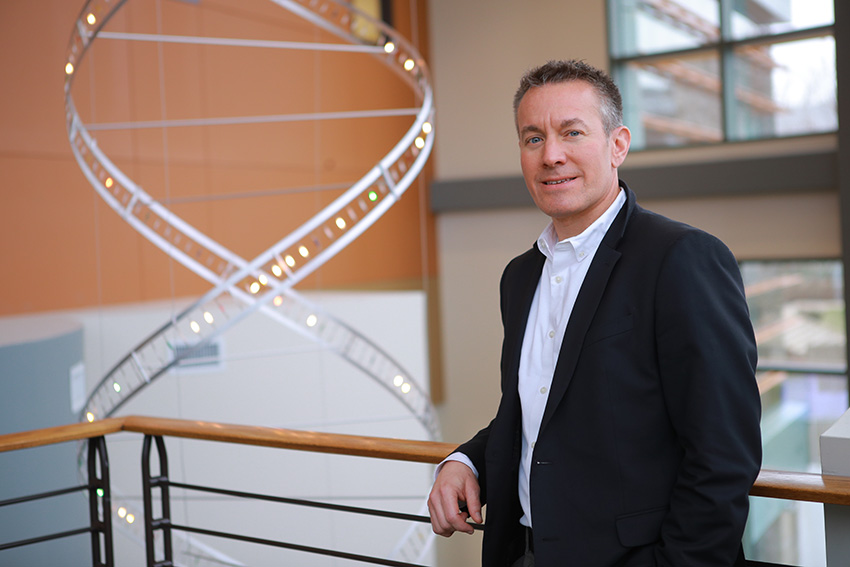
x=728, y=103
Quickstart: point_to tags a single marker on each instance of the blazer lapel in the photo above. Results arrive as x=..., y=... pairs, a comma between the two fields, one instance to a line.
x=586, y=305
x=516, y=309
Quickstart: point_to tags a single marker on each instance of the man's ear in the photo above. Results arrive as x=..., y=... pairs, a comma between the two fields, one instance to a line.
x=621, y=139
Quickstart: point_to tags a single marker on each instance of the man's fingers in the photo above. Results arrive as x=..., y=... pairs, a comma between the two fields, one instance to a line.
x=446, y=516
x=458, y=519
x=455, y=485
x=439, y=523
x=473, y=506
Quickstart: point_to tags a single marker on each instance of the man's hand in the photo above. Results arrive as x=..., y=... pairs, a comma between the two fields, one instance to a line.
x=455, y=486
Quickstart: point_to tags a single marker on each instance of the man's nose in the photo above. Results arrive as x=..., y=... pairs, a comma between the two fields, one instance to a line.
x=554, y=154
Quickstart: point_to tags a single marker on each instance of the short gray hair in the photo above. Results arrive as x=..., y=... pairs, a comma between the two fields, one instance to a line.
x=553, y=72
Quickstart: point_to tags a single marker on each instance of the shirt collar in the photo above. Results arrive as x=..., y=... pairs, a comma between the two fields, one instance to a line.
x=585, y=244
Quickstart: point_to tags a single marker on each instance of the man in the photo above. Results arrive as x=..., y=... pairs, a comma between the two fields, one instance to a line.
x=628, y=430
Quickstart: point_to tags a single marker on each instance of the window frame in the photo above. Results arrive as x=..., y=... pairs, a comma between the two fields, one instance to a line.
x=724, y=48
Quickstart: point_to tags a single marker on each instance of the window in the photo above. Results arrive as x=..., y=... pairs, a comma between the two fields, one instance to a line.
x=707, y=71
x=797, y=309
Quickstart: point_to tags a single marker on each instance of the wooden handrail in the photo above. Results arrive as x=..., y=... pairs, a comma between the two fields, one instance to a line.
x=807, y=487
x=356, y=445
x=60, y=434
x=771, y=484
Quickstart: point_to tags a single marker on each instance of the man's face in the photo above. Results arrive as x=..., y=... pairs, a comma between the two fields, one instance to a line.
x=568, y=162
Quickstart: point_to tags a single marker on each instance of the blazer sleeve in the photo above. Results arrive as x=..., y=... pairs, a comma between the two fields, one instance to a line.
x=521, y=273
x=707, y=357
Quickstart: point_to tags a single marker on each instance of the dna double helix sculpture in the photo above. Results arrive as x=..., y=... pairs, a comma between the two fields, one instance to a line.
x=264, y=283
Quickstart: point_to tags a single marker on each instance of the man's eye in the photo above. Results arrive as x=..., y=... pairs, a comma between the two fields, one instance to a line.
x=573, y=133
x=535, y=140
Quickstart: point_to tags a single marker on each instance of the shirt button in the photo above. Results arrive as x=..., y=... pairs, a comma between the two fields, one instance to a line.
x=558, y=279
x=543, y=390
x=533, y=444
x=551, y=334
x=581, y=254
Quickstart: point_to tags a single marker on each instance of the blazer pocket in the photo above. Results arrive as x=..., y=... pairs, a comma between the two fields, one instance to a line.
x=641, y=528
x=609, y=329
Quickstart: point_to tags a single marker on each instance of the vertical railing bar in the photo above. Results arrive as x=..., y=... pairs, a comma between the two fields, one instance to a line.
x=163, y=523
x=165, y=500
x=146, y=495
x=100, y=516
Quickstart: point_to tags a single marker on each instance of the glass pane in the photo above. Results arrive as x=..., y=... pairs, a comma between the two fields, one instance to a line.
x=752, y=18
x=796, y=409
x=654, y=26
x=784, y=89
x=785, y=532
x=797, y=310
x=672, y=102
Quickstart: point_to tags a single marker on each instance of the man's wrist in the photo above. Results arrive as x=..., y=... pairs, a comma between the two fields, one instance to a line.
x=459, y=458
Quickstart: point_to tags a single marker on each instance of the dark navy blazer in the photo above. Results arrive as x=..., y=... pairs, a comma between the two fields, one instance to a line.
x=650, y=439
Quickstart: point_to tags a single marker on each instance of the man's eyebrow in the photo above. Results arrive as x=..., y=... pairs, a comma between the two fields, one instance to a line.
x=530, y=129
x=566, y=123
x=570, y=122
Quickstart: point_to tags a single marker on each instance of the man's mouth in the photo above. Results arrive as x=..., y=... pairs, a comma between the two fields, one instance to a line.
x=558, y=181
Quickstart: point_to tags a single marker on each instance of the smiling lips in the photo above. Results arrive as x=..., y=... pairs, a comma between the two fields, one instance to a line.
x=558, y=181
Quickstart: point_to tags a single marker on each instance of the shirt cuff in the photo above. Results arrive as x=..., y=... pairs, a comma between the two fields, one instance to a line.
x=459, y=457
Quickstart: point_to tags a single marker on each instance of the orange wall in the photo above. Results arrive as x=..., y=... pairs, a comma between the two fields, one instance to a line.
x=62, y=247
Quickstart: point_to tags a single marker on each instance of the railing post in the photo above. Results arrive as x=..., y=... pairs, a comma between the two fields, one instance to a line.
x=163, y=523
x=835, y=460
x=100, y=504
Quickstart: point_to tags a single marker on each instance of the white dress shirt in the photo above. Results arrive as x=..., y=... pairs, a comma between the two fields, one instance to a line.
x=563, y=273
x=564, y=270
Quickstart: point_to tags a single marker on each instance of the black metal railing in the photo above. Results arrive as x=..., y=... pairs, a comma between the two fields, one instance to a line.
x=99, y=496
x=157, y=486
x=163, y=523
